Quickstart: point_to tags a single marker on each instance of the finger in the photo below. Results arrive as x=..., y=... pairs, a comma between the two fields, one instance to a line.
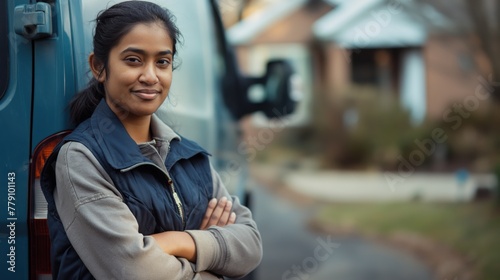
x=219, y=209
x=225, y=214
x=232, y=218
x=210, y=209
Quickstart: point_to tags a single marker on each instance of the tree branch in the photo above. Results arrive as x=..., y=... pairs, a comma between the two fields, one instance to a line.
x=489, y=35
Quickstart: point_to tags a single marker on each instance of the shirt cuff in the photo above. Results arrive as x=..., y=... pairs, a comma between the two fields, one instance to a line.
x=207, y=249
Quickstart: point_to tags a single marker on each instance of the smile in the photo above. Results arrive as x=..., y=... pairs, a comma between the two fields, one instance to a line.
x=146, y=94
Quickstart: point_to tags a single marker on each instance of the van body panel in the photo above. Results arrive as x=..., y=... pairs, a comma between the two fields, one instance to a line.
x=54, y=77
x=15, y=113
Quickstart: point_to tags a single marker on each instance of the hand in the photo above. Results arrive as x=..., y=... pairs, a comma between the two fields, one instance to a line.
x=218, y=213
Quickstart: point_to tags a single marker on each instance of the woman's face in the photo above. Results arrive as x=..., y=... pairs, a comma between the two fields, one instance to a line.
x=139, y=72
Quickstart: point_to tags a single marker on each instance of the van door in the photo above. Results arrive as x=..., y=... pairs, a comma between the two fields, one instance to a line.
x=15, y=123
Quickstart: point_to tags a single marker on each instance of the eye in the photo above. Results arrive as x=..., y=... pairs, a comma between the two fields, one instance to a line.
x=164, y=62
x=132, y=60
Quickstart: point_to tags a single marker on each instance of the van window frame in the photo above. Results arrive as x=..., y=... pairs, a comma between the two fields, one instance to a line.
x=232, y=81
x=4, y=49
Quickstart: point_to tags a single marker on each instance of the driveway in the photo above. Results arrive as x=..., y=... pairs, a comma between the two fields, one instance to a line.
x=292, y=251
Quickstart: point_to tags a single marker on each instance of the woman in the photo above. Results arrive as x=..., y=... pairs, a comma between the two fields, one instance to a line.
x=128, y=198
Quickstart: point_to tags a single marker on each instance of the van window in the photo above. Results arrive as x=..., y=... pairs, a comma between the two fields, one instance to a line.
x=4, y=49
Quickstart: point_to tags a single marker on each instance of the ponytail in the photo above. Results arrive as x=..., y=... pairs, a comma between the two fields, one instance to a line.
x=84, y=103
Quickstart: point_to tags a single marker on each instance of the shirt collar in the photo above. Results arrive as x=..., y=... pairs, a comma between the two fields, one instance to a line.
x=161, y=131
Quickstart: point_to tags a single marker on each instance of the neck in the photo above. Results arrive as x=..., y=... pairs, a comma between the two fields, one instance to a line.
x=138, y=128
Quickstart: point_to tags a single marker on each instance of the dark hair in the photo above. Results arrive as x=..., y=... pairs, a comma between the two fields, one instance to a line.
x=111, y=25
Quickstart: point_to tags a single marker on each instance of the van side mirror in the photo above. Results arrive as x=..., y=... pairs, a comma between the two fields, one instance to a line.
x=275, y=95
x=278, y=85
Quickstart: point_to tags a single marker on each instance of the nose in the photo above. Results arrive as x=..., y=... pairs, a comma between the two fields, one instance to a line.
x=148, y=75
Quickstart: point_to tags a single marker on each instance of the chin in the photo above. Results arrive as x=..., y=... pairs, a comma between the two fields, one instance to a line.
x=145, y=110
x=136, y=109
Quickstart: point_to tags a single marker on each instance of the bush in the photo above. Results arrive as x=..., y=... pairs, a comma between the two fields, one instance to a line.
x=363, y=128
x=474, y=142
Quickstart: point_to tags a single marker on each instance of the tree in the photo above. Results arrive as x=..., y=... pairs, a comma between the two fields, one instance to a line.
x=485, y=17
x=481, y=17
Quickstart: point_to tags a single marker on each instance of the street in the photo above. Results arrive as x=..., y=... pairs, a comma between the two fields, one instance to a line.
x=292, y=251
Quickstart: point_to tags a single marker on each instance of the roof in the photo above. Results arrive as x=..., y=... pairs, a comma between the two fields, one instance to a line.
x=352, y=23
x=371, y=24
x=246, y=30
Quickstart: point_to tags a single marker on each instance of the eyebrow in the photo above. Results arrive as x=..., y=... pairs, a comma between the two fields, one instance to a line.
x=143, y=52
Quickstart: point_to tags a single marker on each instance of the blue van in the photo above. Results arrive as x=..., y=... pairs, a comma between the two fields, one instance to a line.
x=43, y=62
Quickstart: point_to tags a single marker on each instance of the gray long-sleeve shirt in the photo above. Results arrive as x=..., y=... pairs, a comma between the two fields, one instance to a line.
x=104, y=232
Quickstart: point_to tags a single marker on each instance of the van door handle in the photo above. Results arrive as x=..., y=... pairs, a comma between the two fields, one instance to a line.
x=33, y=21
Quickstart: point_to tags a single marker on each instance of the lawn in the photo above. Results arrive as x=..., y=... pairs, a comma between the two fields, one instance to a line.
x=472, y=229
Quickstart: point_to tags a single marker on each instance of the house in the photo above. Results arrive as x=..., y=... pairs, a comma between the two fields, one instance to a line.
x=404, y=48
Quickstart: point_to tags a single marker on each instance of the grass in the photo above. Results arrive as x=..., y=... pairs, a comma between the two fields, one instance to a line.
x=471, y=229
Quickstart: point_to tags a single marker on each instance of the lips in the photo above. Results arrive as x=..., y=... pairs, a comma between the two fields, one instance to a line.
x=146, y=94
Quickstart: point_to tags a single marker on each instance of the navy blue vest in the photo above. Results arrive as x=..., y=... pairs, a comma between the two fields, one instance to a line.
x=139, y=181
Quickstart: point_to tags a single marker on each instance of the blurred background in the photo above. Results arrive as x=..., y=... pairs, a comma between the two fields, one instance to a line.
x=388, y=168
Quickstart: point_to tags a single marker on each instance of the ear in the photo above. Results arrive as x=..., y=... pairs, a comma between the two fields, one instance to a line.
x=97, y=68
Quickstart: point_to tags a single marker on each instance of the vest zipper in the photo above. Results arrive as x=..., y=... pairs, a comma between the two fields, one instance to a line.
x=177, y=200
x=174, y=193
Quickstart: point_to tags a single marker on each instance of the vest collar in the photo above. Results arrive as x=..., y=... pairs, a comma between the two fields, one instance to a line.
x=118, y=147
x=121, y=151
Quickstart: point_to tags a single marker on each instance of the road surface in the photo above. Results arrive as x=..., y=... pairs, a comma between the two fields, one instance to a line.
x=293, y=252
